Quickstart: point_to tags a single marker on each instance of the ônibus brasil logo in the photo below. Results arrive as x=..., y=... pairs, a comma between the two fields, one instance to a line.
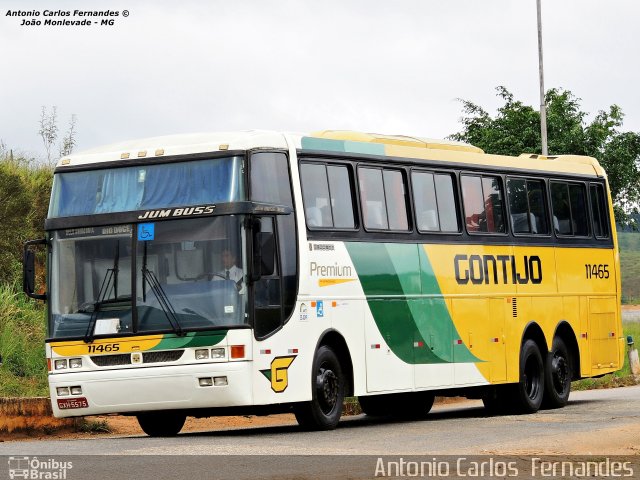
x=34, y=468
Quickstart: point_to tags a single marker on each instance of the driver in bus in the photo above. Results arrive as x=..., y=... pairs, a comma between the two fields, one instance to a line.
x=230, y=271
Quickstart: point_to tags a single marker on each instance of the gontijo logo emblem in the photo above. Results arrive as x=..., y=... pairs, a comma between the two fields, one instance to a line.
x=279, y=373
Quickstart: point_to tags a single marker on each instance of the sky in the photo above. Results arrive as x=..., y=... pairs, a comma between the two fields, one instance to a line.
x=394, y=67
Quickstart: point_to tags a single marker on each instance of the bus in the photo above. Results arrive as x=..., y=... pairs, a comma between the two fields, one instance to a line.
x=258, y=272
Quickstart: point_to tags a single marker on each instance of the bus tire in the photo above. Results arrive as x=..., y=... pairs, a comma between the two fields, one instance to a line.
x=161, y=424
x=327, y=393
x=557, y=376
x=529, y=391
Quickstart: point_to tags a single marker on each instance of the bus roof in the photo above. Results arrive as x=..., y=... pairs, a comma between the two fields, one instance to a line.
x=340, y=141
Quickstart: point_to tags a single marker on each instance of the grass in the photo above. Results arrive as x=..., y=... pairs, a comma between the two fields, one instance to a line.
x=91, y=426
x=22, y=329
x=629, y=243
x=622, y=377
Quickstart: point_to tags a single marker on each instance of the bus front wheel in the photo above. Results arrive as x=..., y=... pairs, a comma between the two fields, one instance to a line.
x=557, y=376
x=327, y=390
x=161, y=424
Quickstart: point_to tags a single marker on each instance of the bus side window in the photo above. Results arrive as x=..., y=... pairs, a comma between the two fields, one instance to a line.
x=327, y=197
x=374, y=209
x=561, y=208
x=527, y=206
x=569, y=205
x=383, y=196
x=579, y=209
x=315, y=193
x=483, y=204
x=434, y=202
x=599, y=211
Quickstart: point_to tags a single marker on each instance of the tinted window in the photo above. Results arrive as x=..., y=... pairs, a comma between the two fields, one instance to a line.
x=315, y=192
x=326, y=190
x=424, y=200
x=447, y=211
x=518, y=207
x=483, y=204
x=599, y=211
x=374, y=208
x=579, y=210
x=527, y=206
x=341, y=198
x=270, y=183
x=561, y=208
x=434, y=202
x=538, y=207
x=396, y=201
x=569, y=203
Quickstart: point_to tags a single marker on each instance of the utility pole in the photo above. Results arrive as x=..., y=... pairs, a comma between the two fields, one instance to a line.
x=543, y=107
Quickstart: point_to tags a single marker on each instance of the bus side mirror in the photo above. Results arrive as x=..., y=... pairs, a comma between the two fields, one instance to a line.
x=29, y=270
x=264, y=247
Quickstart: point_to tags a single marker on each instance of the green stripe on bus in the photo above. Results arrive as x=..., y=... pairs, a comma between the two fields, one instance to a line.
x=396, y=271
x=192, y=339
x=311, y=143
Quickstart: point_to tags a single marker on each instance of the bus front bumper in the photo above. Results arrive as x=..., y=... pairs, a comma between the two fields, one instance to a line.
x=153, y=388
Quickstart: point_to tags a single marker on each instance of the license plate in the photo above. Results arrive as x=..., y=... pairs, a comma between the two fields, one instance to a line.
x=67, y=403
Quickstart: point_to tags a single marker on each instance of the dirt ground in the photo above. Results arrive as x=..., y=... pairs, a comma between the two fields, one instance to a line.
x=620, y=441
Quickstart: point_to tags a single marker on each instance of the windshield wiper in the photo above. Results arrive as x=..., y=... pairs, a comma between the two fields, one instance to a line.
x=163, y=300
x=111, y=275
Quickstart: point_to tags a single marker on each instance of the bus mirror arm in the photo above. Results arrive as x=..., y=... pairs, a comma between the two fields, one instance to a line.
x=29, y=269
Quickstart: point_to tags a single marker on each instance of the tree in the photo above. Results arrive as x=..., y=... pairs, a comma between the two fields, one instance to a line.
x=69, y=140
x=48, y=129
x=515, y=129
x=49, y=133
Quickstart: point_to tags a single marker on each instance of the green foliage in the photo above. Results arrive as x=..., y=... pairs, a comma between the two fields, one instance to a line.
x=24, y=199
x=22, y=331
x=515, y=129
x=629, y=243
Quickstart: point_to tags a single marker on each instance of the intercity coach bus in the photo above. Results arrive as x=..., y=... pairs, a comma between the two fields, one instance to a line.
x=257, y=272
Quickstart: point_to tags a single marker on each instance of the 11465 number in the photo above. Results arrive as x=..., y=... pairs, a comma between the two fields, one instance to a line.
x=596, y=271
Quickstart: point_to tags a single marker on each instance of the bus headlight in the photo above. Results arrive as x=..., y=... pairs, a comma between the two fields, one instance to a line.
x=61, y=364
x=217, y=353
x=62, y=391
x=75, y=363
x=202, y=354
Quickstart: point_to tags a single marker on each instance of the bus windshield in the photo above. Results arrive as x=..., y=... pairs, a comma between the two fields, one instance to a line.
x=146, y=187
x=175, y=275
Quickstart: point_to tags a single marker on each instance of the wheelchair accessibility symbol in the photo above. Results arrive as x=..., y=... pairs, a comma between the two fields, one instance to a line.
x=146, y=231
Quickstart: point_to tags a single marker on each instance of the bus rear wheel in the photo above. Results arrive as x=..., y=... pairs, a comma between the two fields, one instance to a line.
x=161, y=424
x=557, y=376
x=529, y=391
x=327, y=393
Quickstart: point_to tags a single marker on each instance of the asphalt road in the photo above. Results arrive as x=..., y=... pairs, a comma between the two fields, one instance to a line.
x=594, y=422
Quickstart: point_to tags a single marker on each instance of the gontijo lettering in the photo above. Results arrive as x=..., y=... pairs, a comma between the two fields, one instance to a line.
x=497, y=269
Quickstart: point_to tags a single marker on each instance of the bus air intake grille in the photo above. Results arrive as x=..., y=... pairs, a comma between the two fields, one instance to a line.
x=111, y=360
x=514, y=305
x=165, y=356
